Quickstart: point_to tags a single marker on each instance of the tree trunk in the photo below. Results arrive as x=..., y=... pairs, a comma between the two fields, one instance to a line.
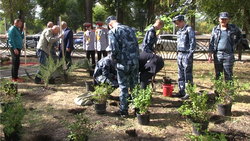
x=11, y=12
x=88, y=11
x=193, y=15
x=150, y=11
x=21, y=17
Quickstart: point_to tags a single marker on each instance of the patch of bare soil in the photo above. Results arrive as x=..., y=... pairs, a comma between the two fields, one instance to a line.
x=49, y=108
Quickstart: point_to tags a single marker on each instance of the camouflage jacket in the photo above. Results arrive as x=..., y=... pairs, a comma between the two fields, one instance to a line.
x=105, y=69
x=124, y=46
x=186, y=41
x=149, y=40
x=234, y=37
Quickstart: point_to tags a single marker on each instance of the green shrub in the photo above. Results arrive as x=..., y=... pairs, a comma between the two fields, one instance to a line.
x=80, y=130
x=102, y=92
x=142, y=98
x=197, y=108
x=227, y=90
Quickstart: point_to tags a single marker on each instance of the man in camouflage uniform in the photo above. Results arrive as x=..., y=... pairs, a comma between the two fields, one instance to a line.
x=125, y=52
x=222, y=44
x=150, y=37
x=186, y=44
x=101, y=40
x=105, y=72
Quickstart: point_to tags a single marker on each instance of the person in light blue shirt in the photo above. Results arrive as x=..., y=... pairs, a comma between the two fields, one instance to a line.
x=222, y=44
x=16, y=44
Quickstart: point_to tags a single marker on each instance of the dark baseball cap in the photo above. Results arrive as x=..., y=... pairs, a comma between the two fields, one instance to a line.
x=110, y=18
x=178, y=17
x=224, y=15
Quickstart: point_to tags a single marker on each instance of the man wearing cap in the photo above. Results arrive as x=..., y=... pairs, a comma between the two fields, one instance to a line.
x=186, y=44
x=89, y=42
x=150, y=37
x=223, y=40
x=101, y=40
x=67, y=44
x=125, y=52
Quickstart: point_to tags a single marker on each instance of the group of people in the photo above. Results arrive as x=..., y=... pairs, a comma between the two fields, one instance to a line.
x=125, y=66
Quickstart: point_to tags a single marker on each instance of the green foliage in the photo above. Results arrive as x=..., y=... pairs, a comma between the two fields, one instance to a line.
x=99, y=13
x=227, y=90
x=198, y=108
x=12, y=115
x=75, y=16
x=142, y=98
x=207, y=137
x=46, y=71
x=8, y=91
x=79, y=129
x=168, y=24
x=52, y=9
x=102, y=92
x=86, y=64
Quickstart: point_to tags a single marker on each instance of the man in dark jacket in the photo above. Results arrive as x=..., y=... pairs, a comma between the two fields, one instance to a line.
x=67, y=44
x=149, y=65
x=222, y=44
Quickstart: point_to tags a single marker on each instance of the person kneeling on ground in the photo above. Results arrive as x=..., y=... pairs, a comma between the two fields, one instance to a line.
x=105, y=72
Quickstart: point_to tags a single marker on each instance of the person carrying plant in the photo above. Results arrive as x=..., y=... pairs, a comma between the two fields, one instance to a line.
x=105, y=71
x=222, y=44
x=186, y=44
x=151, y=38
x=149, y=65
x=16, y=43
x=125, y=52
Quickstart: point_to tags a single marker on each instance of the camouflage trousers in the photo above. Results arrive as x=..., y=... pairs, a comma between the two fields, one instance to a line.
x=185, y=71
x=224, y=62
x=127, y=78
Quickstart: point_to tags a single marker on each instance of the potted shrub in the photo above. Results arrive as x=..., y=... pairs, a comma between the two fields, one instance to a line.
x=197, y=109
x=88, y=66
x=11, y=118
x=142, y=100
x=101, y=94
x=226, y=92
x=80, y=129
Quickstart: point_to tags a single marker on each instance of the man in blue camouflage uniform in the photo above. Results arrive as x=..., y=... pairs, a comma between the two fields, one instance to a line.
x=150, y=37
x=186, y=44
x=125, y=53
x=222, y=44
x=105, y=72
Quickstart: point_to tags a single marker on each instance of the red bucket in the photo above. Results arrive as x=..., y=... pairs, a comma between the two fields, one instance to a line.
x=167, y=89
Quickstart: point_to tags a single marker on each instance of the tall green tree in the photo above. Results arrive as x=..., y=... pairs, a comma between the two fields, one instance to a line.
x=52, y=9
x=17, y=9
x=239, y=11
x=74, y=16
x=99, y=13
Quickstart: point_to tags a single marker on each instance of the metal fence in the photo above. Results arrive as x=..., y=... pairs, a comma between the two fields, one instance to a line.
x=166, y=46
